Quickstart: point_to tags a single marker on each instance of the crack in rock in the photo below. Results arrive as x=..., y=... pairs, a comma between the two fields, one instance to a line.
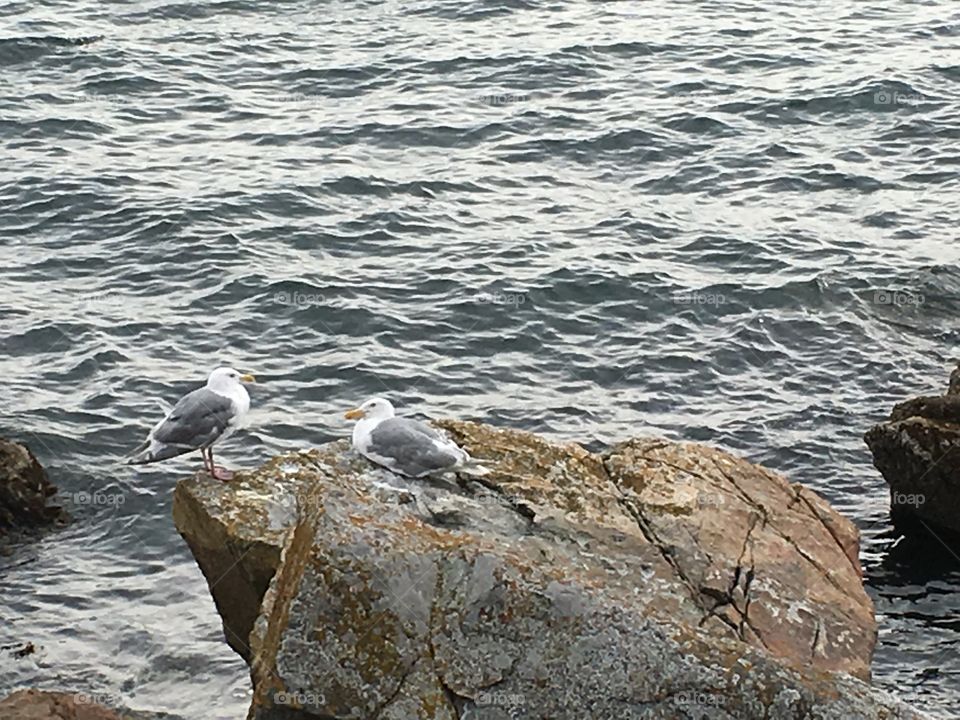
x=637, y=514
x=448, y=693
x=396, y=693
x=768, y=521
x=813, y=511
x=816, y=640
x=522, y=509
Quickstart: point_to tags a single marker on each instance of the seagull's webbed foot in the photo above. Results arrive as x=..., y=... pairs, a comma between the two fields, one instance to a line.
x=216, y=471
x=222, y=474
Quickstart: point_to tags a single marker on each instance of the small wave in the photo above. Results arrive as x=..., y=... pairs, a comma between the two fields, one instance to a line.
x=700, y=125
x=14, y=50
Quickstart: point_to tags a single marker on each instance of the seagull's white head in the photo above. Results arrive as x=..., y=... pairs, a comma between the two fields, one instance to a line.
x=374, y=409
x=224, y=379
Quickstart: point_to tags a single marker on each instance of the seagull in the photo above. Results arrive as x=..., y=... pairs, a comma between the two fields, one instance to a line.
x=404, y=446
x=198, y=420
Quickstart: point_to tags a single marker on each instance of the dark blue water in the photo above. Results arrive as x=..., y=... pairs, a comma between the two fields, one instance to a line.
x=734, y=223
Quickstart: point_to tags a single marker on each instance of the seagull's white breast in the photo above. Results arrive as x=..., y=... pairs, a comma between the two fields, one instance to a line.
x=240, y=400
x=362, y=431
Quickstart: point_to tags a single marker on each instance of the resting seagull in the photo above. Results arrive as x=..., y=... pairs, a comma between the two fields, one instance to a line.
x=201, y=418
x=407, y=447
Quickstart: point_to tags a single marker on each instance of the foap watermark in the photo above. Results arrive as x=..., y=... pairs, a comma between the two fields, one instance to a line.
x=499, y=298
x=693, y=697
x=915, y=499
x=106, y=699
x=499, y=699
x=710, y=500
x=691, y=491
x=106, y=299
x=97, y=497
x=304, y=99
x=898, y=298
x=361, y=11
x=502, y=98
x=892, y=97
x=299, y=299
x=694, y=297
x=110, y=101
x=299, y=699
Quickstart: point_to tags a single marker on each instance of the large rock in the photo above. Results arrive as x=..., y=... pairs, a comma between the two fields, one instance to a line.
x=916, y=452
x=658, y=580
x=24, y=490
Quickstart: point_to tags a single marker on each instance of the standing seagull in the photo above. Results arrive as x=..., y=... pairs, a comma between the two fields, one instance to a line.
x=407, y=447
x=198, y=420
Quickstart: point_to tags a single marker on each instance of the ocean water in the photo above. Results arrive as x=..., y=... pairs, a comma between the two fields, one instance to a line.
x=733, y=223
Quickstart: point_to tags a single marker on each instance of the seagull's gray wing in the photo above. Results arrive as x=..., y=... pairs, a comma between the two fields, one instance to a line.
x=421, y=427
x=410, y=447
x=199, y=418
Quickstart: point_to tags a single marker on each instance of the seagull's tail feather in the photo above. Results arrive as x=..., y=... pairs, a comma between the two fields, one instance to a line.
x=473, y=467
x=139, y=454
x=152, y=451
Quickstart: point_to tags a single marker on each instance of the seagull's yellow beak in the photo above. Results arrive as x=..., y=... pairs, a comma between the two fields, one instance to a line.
x=354, y=414
x=247, y=378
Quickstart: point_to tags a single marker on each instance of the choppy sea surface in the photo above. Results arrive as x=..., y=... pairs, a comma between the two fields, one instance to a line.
x=728, y=222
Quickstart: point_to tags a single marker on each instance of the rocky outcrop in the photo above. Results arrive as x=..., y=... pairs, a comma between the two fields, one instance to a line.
x=916, y=451
x=45, y=705
x=657, y=580
x=954, y=387
x=24, y=490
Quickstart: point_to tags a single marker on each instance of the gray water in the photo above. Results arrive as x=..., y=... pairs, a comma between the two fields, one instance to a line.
x=732, y=223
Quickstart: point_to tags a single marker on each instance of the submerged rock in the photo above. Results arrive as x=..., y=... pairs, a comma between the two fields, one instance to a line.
x=24, y=490
x=915, y=451
x=657, y=580
x=46, y=705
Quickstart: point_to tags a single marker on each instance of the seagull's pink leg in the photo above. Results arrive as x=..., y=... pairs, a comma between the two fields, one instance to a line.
x=219, y=473
x=203, y=454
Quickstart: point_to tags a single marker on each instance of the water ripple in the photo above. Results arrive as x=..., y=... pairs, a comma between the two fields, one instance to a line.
x=734, y=225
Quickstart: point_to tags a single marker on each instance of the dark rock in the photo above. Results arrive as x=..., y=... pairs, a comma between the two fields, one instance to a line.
x=933, y=407
x=20, y=650
x=916, y=451
x=954, y=387
x=24, y=491
x=657, y=580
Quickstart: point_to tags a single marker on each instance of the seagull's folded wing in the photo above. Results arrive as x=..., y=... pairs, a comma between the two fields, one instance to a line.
x=197, y=420
x=412, y=451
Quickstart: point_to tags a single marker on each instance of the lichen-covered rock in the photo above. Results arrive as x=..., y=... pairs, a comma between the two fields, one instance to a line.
x=915, y=451
x=24, y=490
x=658, y=580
